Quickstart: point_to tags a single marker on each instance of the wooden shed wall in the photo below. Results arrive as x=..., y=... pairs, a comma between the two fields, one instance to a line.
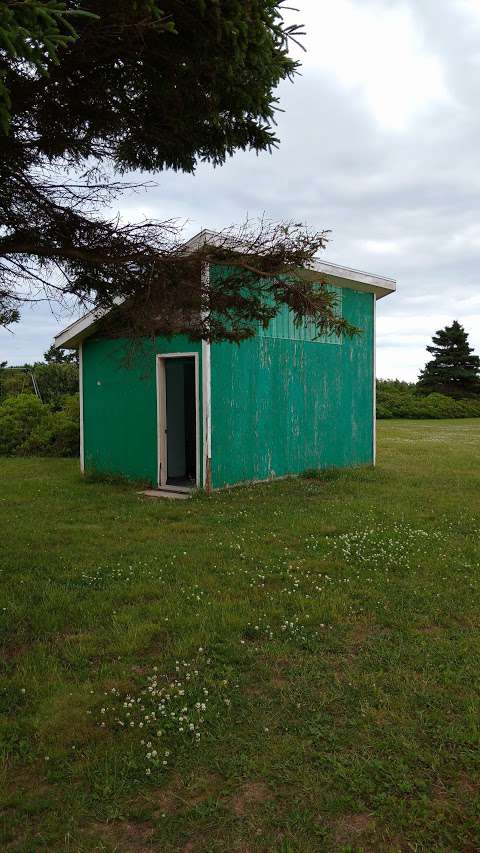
x=281, y=406
x=120, y=403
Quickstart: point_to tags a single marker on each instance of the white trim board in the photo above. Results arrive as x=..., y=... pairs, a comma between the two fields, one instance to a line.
x=161, y=419
x=355, y=279
x=207, y=408
x=374, y=359
x=80, y=395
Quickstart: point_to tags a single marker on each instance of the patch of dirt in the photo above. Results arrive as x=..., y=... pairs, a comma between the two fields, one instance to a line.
x=254, y=691
x=280, y=671
x=190, y=846
x=357, y=639
x=448, y=795
x=441, y=793
x=251, y=794
x=126, y=837
x=198, y=844
x=430, y=630
x=23, y=782
x=279, y=675
x=68, y=636
x=175, y=796
x=350, y=826
x=466, y=785
x=15, y=651
x=355, y=642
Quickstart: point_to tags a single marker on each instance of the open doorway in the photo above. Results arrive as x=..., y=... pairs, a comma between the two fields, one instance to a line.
x=178, y=421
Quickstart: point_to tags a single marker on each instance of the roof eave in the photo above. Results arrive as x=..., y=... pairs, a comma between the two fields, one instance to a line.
x=76, y=332
x=356, y=279
x=335, y=274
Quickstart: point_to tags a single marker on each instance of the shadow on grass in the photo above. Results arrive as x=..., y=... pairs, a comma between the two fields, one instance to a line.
x=120, y=480
x=362, y=473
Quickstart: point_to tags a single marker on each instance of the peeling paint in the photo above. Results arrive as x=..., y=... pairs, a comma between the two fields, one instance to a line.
x=120, y=405
x=279, y=406
x=282, y=405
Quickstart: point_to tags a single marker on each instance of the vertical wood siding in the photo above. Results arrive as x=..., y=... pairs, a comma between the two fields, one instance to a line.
x=282, y=405
x=283, y=325
x=120, y=404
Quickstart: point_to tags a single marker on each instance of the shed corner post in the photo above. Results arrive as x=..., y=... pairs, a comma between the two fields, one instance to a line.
x=374, y=361
x=207, y=398
x=80, y=389
x=207, y=417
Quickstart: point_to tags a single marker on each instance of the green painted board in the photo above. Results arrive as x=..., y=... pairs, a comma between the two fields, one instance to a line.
x=120, y=404
x=281, y=406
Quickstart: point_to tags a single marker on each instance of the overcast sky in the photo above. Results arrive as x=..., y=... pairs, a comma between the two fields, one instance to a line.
x=380, y=142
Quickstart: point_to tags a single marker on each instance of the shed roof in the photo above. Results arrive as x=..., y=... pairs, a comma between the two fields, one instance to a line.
x=341, y=276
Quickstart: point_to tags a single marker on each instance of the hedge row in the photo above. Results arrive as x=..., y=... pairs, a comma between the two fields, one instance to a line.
x=399, y=403
x=29, y=427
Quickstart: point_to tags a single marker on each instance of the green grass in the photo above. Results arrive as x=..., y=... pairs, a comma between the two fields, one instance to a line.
x=328, y=625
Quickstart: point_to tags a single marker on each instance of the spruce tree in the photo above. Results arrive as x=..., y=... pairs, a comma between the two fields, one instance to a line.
x=93, y=89
x=453, y=370
x=53, y=355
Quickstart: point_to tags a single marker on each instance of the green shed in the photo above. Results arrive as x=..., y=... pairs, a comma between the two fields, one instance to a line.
x=185, y=414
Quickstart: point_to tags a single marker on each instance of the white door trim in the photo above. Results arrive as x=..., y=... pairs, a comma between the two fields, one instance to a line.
x=207, y=411
x=162, y=419
x=374, y=424
x=80, y=395
x=207, y=393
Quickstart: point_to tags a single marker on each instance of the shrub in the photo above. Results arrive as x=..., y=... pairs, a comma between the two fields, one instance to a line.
x=18, y=417
x=29, y=427
x=402, y=400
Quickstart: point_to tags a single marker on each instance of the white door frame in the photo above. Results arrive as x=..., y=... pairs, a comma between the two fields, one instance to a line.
x=162, y=420
x=80, y=388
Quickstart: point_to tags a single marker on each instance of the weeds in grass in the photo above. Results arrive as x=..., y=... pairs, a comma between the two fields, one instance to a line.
x=168, y=712
x=336, y=623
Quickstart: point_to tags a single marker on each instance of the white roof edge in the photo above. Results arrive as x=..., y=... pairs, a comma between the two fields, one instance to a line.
x=73, y=334
x=352, y=278
x=203, y=236
x=381, y=286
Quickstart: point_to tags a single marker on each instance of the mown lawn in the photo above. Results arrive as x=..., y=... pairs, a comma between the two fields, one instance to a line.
x=288, y=667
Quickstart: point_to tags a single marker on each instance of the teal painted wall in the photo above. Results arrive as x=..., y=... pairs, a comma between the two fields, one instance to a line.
x=120, y=404
x=282, y=406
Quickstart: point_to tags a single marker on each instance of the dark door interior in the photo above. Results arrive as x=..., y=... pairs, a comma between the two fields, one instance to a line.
x=181, y=421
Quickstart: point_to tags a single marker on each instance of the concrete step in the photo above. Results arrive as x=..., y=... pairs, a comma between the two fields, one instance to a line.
x=166, y=493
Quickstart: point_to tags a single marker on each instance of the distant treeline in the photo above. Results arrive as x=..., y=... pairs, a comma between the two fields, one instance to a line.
x=39, y=409
x=397, y=399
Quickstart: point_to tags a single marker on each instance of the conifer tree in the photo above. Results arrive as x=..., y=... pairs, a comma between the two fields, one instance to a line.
x=454, y=370
x=53, y=355
x=93, y=89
